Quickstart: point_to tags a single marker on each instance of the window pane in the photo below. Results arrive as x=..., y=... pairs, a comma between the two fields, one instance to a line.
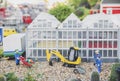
x=39, y=34
x=53, y=34
x=70, y=23
x=100, y=34
x=104, y=53
x=111, y=25
x=115, y=53
x=64, y=35
x=74, y=23
x=84, y=44
x=110, y=44
x=105, y=34
x=90, y=34
x=115, y=35
x=79, y=44
x=44, y=52
x=74, y=34
x=110, y=53
x=65, y=25
x=100, y=51
x=90, y=53
x=79, y=34
x=105, y=23
x=84, y=53
x=110, y=34
x=100, y=23
x=79, y=52
x=48, y=34
x=90, y=44
x=95, y=35
x=105, y=44
x=69, y=34
x=100, y=44
x=95, y=44
x=115, y=44
x=95, y=25
x=84, y=34
x=34, y=52
x=60, y=34
x=39, y=52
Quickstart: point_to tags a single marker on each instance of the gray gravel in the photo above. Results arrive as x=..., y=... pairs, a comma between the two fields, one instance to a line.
x=43, y=72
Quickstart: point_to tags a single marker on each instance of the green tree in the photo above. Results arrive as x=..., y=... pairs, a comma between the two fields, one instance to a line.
x=74, y=3
x=61, y=11
x=79, y=11
x=92, y=2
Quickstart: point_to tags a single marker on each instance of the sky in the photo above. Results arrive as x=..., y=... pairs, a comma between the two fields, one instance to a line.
x=50, y=2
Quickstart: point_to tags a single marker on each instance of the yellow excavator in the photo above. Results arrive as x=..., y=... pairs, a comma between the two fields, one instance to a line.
x=73, y=57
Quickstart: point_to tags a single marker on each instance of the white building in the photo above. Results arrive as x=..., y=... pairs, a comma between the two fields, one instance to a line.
x=95, y=32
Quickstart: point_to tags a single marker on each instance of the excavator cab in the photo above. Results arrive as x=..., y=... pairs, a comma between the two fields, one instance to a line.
x=73, y=54
x=73, y=57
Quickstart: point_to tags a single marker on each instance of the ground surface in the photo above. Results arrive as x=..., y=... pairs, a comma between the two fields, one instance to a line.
x=53, y=73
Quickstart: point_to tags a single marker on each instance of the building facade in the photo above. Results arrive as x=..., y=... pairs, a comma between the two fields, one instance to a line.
x=95, y=32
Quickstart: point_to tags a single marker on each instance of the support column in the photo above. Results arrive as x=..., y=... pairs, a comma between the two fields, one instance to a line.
x=87, y=35
x=118, y=52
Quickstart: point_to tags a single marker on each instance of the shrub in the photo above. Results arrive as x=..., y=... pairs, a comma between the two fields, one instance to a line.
x=1, y=52
x=95, y=76
x=29, y=78
x=11, y=77
x=2, y=77
x=93, y=2
x=113, y=75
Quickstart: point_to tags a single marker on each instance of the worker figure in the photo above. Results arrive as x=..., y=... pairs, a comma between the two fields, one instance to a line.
x=98, y=64
x=17, y=57
x=97, y=60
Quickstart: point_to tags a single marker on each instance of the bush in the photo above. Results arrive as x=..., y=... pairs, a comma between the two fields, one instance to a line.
x=2, y=78
x=93, y=2
x=95, y=76
x=113, y=75
x=79, y=12
x=29, y=78
x=11, y=77
x=1, y=52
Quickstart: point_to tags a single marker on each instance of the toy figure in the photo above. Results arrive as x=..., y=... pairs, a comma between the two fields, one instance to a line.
x=17, y=57
x=98, y=64
x=97, y=60
x=96, y=54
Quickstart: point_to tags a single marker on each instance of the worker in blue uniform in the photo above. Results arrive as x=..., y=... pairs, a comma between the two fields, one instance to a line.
x=97, y=60
x=17, y=57
x=98, y=64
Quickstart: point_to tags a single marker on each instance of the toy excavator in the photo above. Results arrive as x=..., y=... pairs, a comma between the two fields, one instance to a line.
x=73, y=58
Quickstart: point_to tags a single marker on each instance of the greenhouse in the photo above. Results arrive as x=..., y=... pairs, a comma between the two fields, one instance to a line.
x=95, y=32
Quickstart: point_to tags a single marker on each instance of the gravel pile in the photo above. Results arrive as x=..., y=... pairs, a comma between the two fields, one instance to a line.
x=43, y=72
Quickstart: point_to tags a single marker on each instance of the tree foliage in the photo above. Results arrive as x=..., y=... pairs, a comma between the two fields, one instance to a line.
x=80, y=7
x=93, y=2
x=79, y=12
x=74, y=3
x=61, y=11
